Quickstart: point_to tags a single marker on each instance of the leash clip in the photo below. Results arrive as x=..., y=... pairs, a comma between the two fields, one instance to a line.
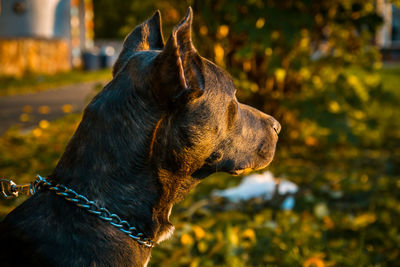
x=9, y=189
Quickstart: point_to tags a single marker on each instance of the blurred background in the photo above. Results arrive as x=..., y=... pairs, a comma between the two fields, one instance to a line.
x=329, y=71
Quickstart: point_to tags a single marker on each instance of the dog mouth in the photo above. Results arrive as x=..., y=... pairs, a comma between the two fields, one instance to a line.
x=246, y=171
x=241, y=171
x=262, y=163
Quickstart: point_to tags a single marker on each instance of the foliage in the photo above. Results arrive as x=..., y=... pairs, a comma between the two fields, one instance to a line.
x=292, y=56
x=310, y=64
x=289, y=58
x=35, y=83
x=126, y=15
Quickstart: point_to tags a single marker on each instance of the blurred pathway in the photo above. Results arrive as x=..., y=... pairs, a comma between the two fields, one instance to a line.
x=29, y=109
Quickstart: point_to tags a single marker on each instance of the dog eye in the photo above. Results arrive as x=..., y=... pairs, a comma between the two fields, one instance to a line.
x=231, y=113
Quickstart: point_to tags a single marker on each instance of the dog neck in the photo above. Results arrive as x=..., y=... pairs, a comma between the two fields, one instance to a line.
x=113, y=159
x=113, y=169
x=141, y=198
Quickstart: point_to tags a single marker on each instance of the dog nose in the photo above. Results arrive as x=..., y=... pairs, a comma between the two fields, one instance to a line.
x=276, y=126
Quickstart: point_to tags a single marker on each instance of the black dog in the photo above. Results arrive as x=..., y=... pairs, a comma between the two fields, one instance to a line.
x=168, y=119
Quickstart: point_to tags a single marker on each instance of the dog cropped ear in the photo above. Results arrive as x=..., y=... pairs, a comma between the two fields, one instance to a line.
x=146, y=36
x=178, y=69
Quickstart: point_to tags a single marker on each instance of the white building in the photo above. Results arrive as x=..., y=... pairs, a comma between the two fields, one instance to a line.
x=388, y=36
x=43, y=36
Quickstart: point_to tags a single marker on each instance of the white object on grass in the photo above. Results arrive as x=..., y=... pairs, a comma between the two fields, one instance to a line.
x=259, y=185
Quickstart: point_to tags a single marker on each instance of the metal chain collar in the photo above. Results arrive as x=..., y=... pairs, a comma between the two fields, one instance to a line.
x=80, y=201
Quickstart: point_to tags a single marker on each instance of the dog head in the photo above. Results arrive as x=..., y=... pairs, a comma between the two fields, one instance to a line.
x=202, y=128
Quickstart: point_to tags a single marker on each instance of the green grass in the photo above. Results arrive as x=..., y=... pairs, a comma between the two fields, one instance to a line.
x=391, y=78
x=36, y=83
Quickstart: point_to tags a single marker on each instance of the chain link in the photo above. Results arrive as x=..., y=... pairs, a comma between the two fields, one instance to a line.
x=90, y=206
x=9, y=189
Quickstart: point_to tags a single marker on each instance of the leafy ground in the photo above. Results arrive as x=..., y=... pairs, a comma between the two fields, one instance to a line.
x=35, y=83
x=346, y=213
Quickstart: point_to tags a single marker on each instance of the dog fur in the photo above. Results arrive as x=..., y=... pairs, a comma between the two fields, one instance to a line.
x=167, y=119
